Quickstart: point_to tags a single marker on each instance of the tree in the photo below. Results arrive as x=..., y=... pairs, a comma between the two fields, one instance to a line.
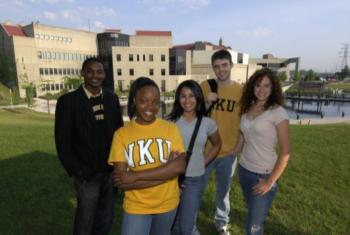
x=74, y=82
x=7, y=72
x=310, y=75
x=345, y=72
x=283, y=76
x=297, y=76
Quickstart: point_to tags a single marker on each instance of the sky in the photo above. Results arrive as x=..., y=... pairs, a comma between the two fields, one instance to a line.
x=314, y=30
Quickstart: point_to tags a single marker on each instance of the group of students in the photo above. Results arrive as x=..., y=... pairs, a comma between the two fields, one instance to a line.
x=206, y=129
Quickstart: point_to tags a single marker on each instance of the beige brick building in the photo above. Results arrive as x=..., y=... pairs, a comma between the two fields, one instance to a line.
x=43, y=55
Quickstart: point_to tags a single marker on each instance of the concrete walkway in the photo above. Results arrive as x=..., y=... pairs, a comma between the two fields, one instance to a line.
x=318, y=121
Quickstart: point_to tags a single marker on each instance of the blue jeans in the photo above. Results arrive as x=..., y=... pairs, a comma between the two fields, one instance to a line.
x=148, y=224
x=94, y=213
x=189, y=203
x=224, y=170
x=258, y=206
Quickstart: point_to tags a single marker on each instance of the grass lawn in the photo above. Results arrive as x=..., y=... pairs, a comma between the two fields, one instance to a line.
x=37, y=197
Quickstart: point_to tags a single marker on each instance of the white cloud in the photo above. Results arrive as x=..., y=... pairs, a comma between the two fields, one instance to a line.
x=52, y=1
x=50, y=15
x=97, y=11
x=18, y=3
x=69, y=1
x=257, y=33
x=71, y=16
x=99, y=25
x=180, y=4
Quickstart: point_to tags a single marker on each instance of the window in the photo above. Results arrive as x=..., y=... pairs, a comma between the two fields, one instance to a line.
x=57, y=86
x=131, y=72
x=151, y=72
x=47, y=87
x=55, y=71
x=138, y=57
x=119, y=57
x=40, y=56
x=144, y=57
x=119, y=72
x=46, y=72
x=52, y=87
x=68, y=71
x=41, y=71
x=162, y=57
x=131, y=57
x=61, y=86
x=77, y=71
x=163, y=72
x=60, y=71
x=64, y=71
x=72, y=71
x=150, y=57
x=51, y=71
x=49, y=55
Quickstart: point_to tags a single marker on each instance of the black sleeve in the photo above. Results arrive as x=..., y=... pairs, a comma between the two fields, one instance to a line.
x=119, y=114
x=63, y=136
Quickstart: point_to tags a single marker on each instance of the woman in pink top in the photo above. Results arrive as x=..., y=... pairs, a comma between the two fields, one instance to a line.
x=264, y=124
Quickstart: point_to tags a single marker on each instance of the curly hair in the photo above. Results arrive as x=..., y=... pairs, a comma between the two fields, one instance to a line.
x=248, y=98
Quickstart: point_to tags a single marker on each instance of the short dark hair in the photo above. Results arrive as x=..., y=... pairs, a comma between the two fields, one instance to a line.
x=248, y=97
x=220, y=55
x=90, y=60
x=177, y=110
x=134, y=88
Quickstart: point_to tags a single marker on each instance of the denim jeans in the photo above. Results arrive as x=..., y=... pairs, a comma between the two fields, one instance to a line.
x=94, y=213
x=153, y=224
x=258, y=206
x=189, y=203
x=224, y=170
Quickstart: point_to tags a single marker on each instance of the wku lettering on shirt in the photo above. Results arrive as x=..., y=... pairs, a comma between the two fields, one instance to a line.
x=144, y=154
x=224, y=105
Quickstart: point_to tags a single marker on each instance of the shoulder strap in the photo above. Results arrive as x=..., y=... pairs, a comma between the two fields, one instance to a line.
x=193, y=139
x=214, y=88
x=213, y=85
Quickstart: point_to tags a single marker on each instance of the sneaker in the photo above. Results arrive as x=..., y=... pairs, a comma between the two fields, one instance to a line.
x=224, y=230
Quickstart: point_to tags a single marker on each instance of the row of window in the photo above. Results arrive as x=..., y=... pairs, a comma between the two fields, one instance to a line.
x=50, y=55
x=59, y=71
x=138, y=57
x=53, y=38
x=132, y=73
x=56, y=87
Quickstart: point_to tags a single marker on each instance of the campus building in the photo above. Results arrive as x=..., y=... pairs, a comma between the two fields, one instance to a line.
x=43, y=55
x=46, y=56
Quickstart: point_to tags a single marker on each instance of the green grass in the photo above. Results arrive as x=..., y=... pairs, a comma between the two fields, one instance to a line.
x=37, y=197
x=5, y=96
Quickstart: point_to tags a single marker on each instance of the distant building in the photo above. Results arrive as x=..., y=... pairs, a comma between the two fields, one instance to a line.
x=105, y=41
x=146, y=55
x=276, y=64
x=195, y=60
x=43, y=55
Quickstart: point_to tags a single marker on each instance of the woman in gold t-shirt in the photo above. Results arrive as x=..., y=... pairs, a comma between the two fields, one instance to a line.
x=148, y=155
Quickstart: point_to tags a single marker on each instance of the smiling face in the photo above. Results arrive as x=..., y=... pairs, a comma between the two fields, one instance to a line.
x=187, y=100
x=147, y=104
x=94, y=75
x=262, y=89
x=222, y=69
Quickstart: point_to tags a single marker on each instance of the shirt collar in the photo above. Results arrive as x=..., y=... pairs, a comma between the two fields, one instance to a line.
x=89, y=94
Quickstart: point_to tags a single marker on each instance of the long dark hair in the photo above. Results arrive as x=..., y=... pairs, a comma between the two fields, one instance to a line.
x=248, y=98
x=136, y=86
x=177, y=110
